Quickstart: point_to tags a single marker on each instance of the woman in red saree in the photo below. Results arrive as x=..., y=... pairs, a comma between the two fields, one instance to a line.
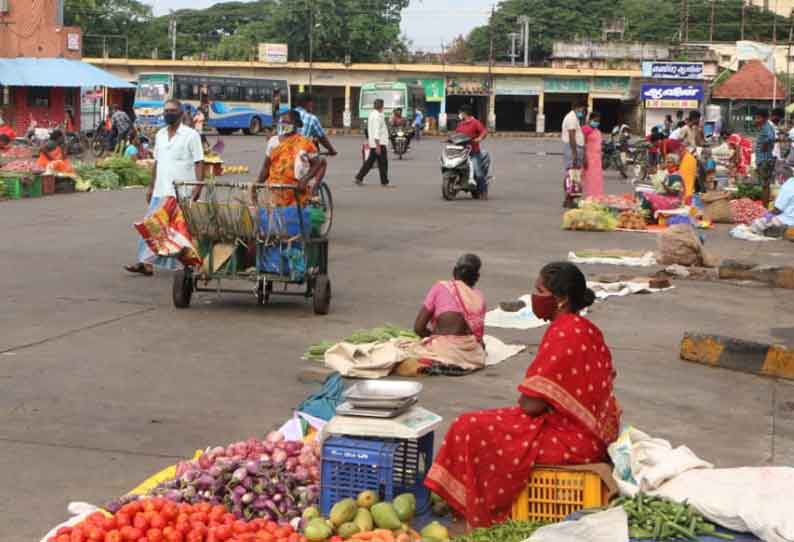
x=451, y=321
x=566, y=412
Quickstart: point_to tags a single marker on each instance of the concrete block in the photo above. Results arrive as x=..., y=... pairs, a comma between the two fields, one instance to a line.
x=738, y=355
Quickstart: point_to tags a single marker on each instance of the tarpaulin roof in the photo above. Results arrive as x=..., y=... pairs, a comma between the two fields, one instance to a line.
x=55, y=72
x=753, y=81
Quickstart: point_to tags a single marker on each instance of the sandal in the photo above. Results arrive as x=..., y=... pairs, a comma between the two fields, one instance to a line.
x=140, y=269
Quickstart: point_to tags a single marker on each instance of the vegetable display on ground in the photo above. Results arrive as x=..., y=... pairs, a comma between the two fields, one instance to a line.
x=509, y=531
x=382, y=333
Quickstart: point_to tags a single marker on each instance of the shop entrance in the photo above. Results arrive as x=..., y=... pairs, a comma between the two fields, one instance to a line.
x=516, y=113
x=479, y=106
x=611, y=113
x=556, y=106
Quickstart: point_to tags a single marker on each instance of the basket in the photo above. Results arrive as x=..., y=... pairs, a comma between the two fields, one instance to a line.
x=553, y=494
x=388, y=466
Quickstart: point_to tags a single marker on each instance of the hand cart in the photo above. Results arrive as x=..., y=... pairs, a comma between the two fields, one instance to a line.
x=272, y=246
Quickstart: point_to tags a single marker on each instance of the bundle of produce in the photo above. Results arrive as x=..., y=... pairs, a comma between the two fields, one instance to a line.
x=380, y=334
x=89, y=177
x=589, y=217
x=16, y=151
x=21, y=166
x=509, y=531
x=632, y=220
x=751, y=191
x=621, y=202
x=662, y=519
x=212, y=158
x=746, y=210
x=127, y=169
x=159, y=520
x=235, y=170
x=273, y=479
x=366, y=519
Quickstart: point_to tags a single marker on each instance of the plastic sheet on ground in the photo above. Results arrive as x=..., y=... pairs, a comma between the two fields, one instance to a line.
x=749, y=499
x=646, y=260
x=604, y=290
x=496, y=351
x=744, y=233
x=608, y=526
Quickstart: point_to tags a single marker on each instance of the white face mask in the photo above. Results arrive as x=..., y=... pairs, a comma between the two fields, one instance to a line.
x=287, y=128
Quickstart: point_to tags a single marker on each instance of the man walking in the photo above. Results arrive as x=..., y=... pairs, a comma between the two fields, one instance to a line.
x=764, y=157
x=178, y=156
x=378, y=135
x=120, y=124
x=419, y=124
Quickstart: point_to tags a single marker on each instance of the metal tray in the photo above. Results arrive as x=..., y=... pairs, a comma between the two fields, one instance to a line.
x=347, y=409
x=389, y=393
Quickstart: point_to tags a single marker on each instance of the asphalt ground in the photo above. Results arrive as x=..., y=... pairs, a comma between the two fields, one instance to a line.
x=103, y=382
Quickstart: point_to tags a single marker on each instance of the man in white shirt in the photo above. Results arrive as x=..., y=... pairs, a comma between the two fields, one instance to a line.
x=573, y=138
x=178, y=156
x=378, y=135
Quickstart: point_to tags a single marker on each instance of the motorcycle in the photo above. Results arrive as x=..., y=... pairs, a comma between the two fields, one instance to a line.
x=400, y=141
x=456, y=167
x=611, y=157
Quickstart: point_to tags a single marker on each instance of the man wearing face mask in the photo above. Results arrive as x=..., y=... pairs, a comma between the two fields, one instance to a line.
x=178, y=156
x=764, y=156
x=573, y=149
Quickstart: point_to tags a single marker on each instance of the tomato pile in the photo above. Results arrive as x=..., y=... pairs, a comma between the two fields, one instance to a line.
x=159, y=520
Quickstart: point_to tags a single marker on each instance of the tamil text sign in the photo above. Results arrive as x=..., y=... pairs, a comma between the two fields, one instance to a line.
x=673, y=70
x=671, y=92
x=518, y=86
x=273, y=53
x=573, y=86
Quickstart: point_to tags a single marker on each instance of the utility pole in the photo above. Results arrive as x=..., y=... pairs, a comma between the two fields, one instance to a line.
x=744, y=12
x=525, y=37
x=172, y=34
x=774, y=26
x=788, y=62
x=513, y=55
x=490, y=52
x=311, y=45
x=711, y=21
x=684, y=32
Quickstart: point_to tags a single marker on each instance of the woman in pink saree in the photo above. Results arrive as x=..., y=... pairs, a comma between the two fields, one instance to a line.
x=451, y=321
x=593, y=174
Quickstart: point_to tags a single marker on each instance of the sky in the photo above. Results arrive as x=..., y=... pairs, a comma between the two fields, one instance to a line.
x=427, y=23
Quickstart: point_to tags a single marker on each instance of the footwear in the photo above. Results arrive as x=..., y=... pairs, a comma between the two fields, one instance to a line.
x=387, y=185
x=358, y=181
x=139, y=268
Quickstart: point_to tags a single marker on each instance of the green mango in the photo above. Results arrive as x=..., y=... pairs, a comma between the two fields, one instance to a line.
x=343, y=512
x=405, y=506
x=346, y=530
x=364, y=520
x=317, y=530
x=311, y=513
x=385, y=516
x=366, y=499
x=435, y=530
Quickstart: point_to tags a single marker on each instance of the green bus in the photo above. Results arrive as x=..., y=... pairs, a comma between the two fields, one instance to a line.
x=407, y=96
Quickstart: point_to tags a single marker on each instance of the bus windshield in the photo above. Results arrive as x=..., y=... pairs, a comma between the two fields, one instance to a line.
x=152, y=89
x=391, y=98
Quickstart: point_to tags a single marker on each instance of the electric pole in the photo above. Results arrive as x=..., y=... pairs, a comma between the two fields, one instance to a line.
x=774, y=26
x=788, y=62
x=311, y=45
x=524, y=20
x=711, y=21
x=684, y=32
x=741, y=31
x=513, y=54
x=172, y=34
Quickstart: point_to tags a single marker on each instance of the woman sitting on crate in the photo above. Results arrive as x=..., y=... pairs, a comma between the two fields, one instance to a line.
x=669, y=187
x=290, y=159
x=566, y=412
x=53, y=154
x=451, y=323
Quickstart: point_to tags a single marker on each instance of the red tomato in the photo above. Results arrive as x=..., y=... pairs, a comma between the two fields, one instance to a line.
x=143, y=539
x=294, y=537
x=96, y=534
x=271, y=526
x=140, y=522
x=131, y=508
x=67, y=530
x=136, y=534
x=194, y=536
x=175, y=536
x=265, y=536
x=77, y=535
x=183, y=527
x=157, y=522
x=125, y=533
x=113, y=536
x=229, y=519
x=170, y=511
x=201, y=517
x=217, y=511
x=223, y=533
x=185, y=508
x=240, y=527
x=204, y=507
x=108, y=524
x=282, y=532
x=154, y=535
x=96, y=518
x=62, y=538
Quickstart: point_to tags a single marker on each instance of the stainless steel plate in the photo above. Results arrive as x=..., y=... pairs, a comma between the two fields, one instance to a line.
x=347, y=409
x=380, y=390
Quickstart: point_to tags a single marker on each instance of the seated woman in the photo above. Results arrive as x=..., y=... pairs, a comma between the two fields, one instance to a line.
x=566, y=413
x=290, y=159
x=452, y=321
x=741, y=156
x=669, y=185
x=133, y=150
x=53, y=154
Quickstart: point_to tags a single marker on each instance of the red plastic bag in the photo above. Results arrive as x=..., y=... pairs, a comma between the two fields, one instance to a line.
x=166, y=233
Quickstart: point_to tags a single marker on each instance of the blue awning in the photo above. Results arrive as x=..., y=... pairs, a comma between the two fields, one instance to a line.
x=55, y=72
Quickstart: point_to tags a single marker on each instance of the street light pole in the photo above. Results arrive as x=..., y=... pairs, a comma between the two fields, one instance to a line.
x=311, y=45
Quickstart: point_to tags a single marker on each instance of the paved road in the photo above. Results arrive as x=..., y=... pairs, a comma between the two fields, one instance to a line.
x=103, y=382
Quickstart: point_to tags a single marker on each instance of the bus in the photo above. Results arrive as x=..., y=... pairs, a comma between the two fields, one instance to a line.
x=231, y=103
x=408, y=96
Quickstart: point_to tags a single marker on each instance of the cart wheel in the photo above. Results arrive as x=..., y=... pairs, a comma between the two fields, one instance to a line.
x=183, y=288
x=322, y=294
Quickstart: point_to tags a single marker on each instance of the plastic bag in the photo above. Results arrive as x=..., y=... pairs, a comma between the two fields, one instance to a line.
x=166, y=233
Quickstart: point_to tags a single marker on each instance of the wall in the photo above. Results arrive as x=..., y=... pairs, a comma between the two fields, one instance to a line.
x=29, y=29
x=586, y=50
x=19, y=113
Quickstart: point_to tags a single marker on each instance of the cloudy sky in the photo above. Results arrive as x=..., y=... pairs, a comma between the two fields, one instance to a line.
x=426, y=22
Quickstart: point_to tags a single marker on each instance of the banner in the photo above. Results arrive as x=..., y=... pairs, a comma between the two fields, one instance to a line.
x=518, y=86
x=273, y=53
x=671, y=92
x=434, y=90
x=673, y=70
x=572, y=86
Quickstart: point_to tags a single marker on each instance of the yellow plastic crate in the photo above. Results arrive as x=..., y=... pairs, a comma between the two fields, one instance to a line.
x=553, y=494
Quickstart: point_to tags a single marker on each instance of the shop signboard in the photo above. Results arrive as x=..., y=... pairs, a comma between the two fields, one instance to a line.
x=673, y=70
x=73, y=41
x=567, y=86
x=273, y=53
x=434, y=90
x=518, y=86
x=671, y=96
x=468, y=87
x=613, y=85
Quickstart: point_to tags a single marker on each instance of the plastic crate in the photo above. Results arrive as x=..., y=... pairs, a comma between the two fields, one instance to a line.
x=388, y=466
x=13, y=187
x=553, y=494
x=47, y=184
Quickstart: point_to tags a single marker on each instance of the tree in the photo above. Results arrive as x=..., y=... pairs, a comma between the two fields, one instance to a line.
x=458, y=52
x=106, y=22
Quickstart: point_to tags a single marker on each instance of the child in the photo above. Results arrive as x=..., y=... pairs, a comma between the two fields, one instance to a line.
x=710, y=167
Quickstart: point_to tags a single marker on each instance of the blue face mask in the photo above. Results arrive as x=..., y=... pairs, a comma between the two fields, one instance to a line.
x=595, y=123
x=580, y=114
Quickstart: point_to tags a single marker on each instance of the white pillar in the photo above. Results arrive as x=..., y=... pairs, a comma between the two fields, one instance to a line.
x=347, y=117
x=492, y=112
x=541, y=120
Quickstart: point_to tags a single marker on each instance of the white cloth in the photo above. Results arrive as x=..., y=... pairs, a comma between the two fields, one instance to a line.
x=746, y=233
x=608, y=526
x=647, y=260
x=571, y=122
x=370, y=360
x=302, y=164
x=176, y=158
x=496, y=351
x=523, y=319
x=604, y=290
x=677, y=134
x=377, y=129
x=79, y=511
x=754, y=499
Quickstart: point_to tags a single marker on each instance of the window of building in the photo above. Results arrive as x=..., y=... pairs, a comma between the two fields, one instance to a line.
x=38, y=97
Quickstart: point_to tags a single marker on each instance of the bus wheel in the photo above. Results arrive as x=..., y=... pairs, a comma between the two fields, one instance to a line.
x=256, y=126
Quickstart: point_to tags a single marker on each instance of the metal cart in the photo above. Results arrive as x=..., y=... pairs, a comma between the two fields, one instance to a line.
x=271, y=246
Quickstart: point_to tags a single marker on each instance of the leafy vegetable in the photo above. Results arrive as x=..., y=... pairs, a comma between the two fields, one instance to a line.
x=751, y=191
x=101, y=179
x=384, y=333
x=509, y=531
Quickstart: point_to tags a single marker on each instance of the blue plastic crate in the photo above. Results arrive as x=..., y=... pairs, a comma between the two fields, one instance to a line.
x=390, y=467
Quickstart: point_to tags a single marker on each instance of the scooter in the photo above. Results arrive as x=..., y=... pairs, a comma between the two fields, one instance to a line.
x=611, y=158
x=400, y=141
x=456, y=174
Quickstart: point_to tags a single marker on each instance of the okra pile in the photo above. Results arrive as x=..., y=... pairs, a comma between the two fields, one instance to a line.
x=655, y=518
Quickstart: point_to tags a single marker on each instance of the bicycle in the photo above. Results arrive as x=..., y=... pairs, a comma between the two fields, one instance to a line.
x=323, y=199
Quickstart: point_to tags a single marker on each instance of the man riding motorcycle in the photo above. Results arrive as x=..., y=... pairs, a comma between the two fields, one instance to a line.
x=473, y=128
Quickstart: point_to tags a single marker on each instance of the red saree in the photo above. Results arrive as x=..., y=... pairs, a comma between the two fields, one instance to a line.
x=488, y=456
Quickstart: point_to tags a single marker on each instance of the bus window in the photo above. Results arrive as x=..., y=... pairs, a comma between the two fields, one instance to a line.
x=232, y=93
x=216, y=92
x=391, y=98
x=184, y=91
x=252, y=94
x=265, y=94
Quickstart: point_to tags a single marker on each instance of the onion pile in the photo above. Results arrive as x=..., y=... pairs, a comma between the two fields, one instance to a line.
x=273, y=479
